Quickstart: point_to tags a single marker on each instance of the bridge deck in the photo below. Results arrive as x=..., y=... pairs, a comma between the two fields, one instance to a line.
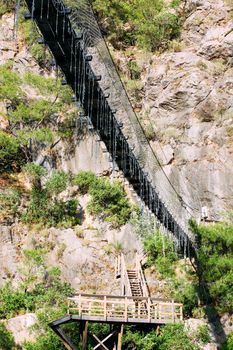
x=116, y=309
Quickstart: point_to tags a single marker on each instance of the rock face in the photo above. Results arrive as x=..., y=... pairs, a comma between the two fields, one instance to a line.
x=20, y=327
x=189, y=98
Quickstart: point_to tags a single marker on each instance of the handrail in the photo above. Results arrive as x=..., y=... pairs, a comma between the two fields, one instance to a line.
x=125, y=284
x=99, y=296
x=141, y=276
x=125, y=309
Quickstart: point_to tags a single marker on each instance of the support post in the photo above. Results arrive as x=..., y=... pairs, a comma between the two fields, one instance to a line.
x=83, y=334
x=119, y=341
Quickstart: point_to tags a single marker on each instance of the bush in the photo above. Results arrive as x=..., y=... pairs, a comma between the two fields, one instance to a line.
x=149, y=24
x=11, y=301
x=10, y=84
x=172, y=337
x=215, y=256
x=202, y=335
x=6, y=338
x=9, y=152
x=57, y=183
x=110, y=202
x=160, y=252
x=85, y=180
x=34, y=172
x=186, y=293
x=9, y=202
x=6, y=6
x=228, y=345
x=51, y=213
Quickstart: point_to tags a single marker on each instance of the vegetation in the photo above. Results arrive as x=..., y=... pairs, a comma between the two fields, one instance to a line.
x=29, y=120
x=172, y=337
x=108, y=200
x=9, y=202
x=6, y=338
x=215, y=255
x=6, y=6
x=160, y=251
x=148, y=24
x=229, y=343
x=44, y=205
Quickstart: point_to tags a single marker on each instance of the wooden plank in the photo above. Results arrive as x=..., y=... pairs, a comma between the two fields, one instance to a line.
x=119, y=340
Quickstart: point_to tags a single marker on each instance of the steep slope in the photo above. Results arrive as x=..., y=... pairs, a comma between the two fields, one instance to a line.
x=188, y=98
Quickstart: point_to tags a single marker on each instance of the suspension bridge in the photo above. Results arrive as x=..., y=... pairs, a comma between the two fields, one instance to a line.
x=72, y=34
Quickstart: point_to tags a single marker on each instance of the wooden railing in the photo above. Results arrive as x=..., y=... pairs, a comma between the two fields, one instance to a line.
x=121, y=271
x=141, y=276
x=105, y=308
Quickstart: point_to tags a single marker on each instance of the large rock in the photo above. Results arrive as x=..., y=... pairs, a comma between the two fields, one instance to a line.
x=21, y=328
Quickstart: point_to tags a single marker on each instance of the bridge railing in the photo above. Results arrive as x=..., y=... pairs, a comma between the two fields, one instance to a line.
x=125, y=309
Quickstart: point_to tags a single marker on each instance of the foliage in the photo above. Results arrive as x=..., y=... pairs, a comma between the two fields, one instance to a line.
x=202, y=335
x=31, y=122
x=172, y=337
x=6, y=338
x=10, y=84
x=186, y=293
x=149, y=24
x=10, y=157
x=228, y=345
x=108, y=200
x=9, y=202
x=51, y=213
x=134, y=69
x=11, y=301
x=34, y=172
x=57, y=182
x=160, y=252
x=215, y=256
x=85, y=180
x=35, y=291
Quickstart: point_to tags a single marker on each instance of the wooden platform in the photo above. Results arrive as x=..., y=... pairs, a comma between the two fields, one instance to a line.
x=117, y=309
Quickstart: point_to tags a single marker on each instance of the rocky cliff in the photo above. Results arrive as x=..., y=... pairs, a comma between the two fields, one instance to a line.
x=188, y=97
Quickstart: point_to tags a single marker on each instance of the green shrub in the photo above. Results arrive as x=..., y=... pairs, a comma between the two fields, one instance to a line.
x=6, y=338
x=109, y=201
x=149, y=24
x=171, y=336
x=228, y=345
x=160, y=252
x=174, y=337
x=186, y=293
x=34, y=172
x=134, y=69
x=10, y=84
x=85, y=180
x=57, y=182
x=6, y=6
x=202, y=335
x=9, y=202
x=215, y=256
x=11, y=301
x=51, y=213
x=10, y=153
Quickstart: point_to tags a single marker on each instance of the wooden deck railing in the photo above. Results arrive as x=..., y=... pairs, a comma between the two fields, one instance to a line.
x=125, y=309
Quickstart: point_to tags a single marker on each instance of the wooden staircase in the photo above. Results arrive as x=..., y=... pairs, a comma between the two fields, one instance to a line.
x=135, y=283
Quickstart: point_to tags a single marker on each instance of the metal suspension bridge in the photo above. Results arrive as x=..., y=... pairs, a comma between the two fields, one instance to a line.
x=71, y=32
